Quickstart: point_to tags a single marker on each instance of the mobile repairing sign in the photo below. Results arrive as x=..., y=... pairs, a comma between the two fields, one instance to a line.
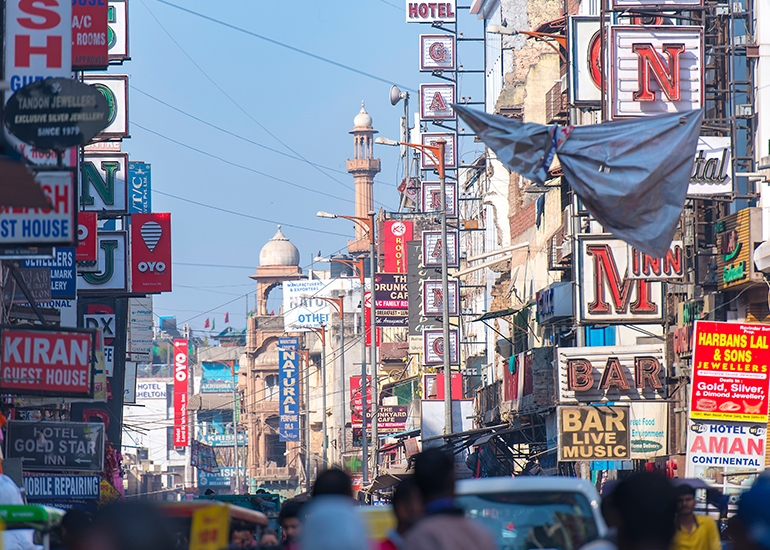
x=50, y=486
x=723, y=447
x=44, y=362
x=730, y=371
x=181, y=434
x=593, y=433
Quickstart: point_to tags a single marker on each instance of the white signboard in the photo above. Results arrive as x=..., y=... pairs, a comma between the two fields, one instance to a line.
x=35, y=226
x=717, y=449
x=654, y=4
x=437, y=52
x=585, y=47
x=303, y=307
x=150, y=390
x=450, y=159
x=429, y=12
x=103, y=182
x=433, y=248
x=436, y=101
x=140, y=337
x=431, y=198
x=612, y=373
x=433, y=342
x=648, y=423
x=607, y=292
x=38, y=38
x=642, y=266
x=129, y=383
x=117, y=34
x=432, y=302
x=115, y=90
x=656, y=70
x=111, y=265
x=712, y=171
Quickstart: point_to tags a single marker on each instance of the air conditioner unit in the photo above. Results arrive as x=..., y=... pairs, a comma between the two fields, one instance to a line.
x=744, y=110
x=566, y=247
x=739, y=40
x=564, y=82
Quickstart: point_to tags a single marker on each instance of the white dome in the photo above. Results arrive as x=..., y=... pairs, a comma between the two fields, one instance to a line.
x=362, y=118
x=279, y=251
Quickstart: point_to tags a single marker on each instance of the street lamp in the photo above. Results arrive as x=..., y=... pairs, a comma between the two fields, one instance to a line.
x=360, y=268
x=436, y=154
x=339, y=305
x=368, y=225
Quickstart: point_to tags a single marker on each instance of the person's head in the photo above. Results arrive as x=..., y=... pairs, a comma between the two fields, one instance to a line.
x=74, y=526
x=290, y=521
x=685, y=500
x=749, y=528
x=269, y=539
x=645, y=504
x=241, y=538
x=434, y=474
x=333, y=482
x=407, y=504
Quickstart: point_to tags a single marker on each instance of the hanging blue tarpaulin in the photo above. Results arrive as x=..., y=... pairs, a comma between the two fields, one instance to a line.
x=631, y=175
x=218, y=376
x=288, y=375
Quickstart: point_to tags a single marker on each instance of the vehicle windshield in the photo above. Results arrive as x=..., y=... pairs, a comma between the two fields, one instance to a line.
x=533, y=520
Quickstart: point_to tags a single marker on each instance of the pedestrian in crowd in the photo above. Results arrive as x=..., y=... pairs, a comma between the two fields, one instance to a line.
x=407, y=507
x=610, y=515
x=444, y=526
x=241, y=537
x=74, y=526
x=644, y=511
x=269, y=539
x=333, y=521
x=749, y=528
x=129, y=526
x=291, y=523
x=693, y=532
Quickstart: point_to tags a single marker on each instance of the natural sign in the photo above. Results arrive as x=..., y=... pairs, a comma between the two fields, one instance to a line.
x=56, y=113
x=593, y=433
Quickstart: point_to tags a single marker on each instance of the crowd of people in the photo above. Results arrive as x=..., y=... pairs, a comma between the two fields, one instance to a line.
x=643, y=512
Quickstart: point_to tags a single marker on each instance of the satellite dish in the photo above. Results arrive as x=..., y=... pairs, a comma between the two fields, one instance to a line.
x=395, y=95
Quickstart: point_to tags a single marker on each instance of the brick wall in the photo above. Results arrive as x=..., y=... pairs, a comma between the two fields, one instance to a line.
x=523, y=220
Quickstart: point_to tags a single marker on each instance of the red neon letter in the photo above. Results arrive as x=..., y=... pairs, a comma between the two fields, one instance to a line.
x=651, y=65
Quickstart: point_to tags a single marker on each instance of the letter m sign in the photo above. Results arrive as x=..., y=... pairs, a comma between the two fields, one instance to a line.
x=656, y=70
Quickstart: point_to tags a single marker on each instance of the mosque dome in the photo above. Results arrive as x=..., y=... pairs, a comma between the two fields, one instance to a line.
x=268, y=357
x=279, y=252
x=362, y=118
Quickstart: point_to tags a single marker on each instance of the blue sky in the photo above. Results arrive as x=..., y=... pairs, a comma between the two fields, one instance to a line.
x=265, y=94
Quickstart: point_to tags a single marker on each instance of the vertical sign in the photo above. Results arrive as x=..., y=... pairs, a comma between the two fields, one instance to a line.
x=89, y=35
x=431, y=198
x=396, y=236
x=139, y=197
x=37, y=43
x=87, y=242
x=151, y=253
x=180, y=394
x=288, y=373
x=437, y=52
x=436, y=101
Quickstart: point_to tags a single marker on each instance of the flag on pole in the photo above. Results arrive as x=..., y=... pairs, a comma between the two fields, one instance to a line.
x=206, y=324
x=631, y=175
x=227, y=317
x=213, y=324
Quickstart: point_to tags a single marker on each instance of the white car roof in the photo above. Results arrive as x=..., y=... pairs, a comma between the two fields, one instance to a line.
x=525, y=483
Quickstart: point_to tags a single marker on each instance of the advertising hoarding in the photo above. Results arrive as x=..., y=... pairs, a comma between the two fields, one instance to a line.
x=554, y=302
x=391, y=300
x=303, y=308
x=656, y=70
x=117, y=30
x=437, y=52
x=103, y=182
x=62, y=270
x=111, y=269
x=151, y=253
x=607, y=294
x=730, y=371
x=217, y=376
x=50, y=486
x=86, y=232
x=593, y=433
x=115, y=90
x=181, y=370
x=736, y=236
x=150, y=390
x=432, y=297
x=648, y=423
x=89, y=35
x=431, y=198
x=356, y=412
x=433, y=342
x=450, y=154
x=397, y=234
x=56, y=446
x=140, y=337
x=139, y=187
x=432, y=248
x=288, y=401
x=712, y=171
x=643, y=266
x=38, y=227
x=584, y=70
x=430, y=12
x=612, y=373
x=436, y=101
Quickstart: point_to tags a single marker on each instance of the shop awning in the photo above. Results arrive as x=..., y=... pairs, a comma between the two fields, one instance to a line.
x=499, y=313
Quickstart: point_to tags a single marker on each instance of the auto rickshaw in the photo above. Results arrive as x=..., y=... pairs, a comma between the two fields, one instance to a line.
x=206, y=525
x=45, y=520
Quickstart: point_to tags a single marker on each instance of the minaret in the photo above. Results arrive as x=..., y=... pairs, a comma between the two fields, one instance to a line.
x=363, y=167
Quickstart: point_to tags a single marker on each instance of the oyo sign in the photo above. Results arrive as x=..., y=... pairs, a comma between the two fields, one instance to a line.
x=612, y=373
x=150, y=253
x=656, y=70
x=608, y=293
x=429, y=12
x=181, y=435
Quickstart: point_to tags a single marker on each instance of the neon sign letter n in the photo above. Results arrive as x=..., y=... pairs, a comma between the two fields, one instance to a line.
x=651, y=65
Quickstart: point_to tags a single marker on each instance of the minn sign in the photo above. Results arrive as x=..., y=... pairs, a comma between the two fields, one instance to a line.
x=56, y=445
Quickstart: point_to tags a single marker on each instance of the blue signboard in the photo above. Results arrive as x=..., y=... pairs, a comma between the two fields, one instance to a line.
x=139, y=201
x=62, y=486
x=223, y=440
x=288, y=373
x=218, y=376
x=222, y=479
x=63, y=272
x=290, y=342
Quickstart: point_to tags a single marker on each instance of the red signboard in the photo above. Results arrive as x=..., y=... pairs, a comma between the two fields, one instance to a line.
x=396, y=235
x=181, y=438
x=368, y=322
x=89, y=35
x=355, y=398
x=36, y=362
x=151, y=253
x=87, y=242
x=730, y=371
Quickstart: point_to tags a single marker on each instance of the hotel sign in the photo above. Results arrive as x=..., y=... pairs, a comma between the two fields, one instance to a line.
x=712, y=172
x=430, y=12
x=437, y=52
x=436, y=101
